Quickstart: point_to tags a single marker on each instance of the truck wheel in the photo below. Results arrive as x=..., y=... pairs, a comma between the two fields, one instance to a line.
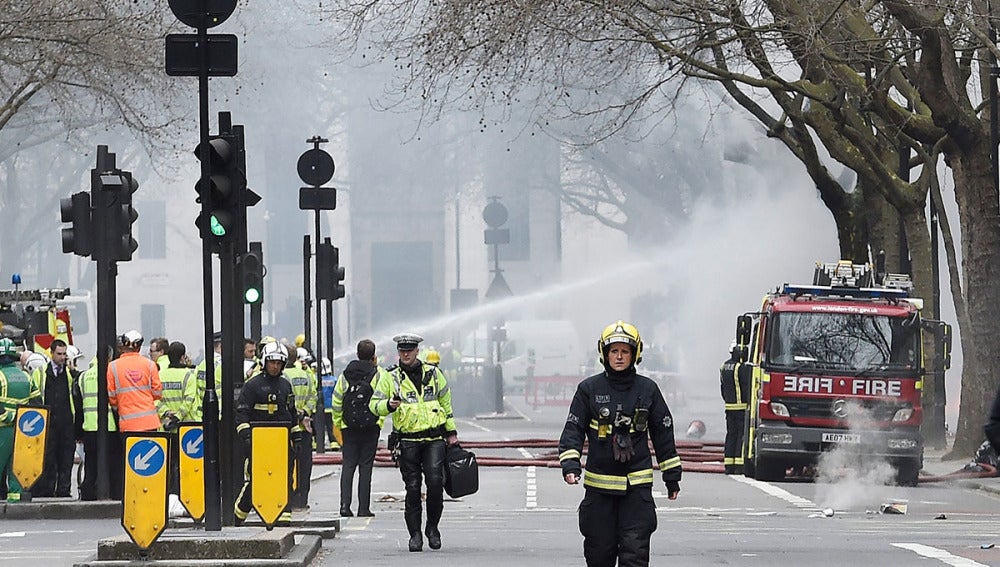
x=907, y=472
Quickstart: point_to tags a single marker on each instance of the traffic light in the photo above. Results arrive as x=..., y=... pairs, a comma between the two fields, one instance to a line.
x=114, y=214
x=338, y=276
x=79, y=237
x=253, y=278
x=225, y=183
x=123, y=243
x=329, y=272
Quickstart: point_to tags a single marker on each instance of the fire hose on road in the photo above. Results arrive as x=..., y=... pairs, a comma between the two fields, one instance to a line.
x=696, y=456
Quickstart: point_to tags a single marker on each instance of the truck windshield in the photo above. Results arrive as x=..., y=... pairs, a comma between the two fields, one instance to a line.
x=843, y=341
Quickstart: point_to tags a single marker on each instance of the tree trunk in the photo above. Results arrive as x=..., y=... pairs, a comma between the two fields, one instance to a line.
x=979, y=212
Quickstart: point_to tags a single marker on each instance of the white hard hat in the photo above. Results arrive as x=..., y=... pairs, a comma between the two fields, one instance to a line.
x=302, y=354
x=73, y=353
x=131, y=338
x=274, y=351
x=327, y=367
x=35, y=361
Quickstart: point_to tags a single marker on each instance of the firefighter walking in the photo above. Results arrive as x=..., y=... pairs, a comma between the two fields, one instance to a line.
x=265, y=397
x=734, y=395
x=418, y=397
x=617, y=412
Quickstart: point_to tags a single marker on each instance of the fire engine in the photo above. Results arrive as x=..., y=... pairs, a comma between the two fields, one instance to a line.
x=36, y=317
x=839, y=363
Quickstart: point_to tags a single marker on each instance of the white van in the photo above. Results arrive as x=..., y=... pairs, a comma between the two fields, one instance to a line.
x=543, y=347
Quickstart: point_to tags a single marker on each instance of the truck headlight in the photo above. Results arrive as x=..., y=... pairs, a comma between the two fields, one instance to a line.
x=903, y=414
x=780, y=409
x=902, y=443
x=776, y=438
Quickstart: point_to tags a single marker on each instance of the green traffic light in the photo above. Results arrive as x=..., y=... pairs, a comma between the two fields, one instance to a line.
x=218, y=229
x=252, y=295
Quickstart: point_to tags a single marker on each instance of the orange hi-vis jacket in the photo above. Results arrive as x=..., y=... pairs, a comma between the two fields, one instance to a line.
x=133, y=388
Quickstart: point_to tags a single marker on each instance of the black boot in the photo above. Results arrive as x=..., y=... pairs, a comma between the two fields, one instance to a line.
x=346, y=512
x=433, y=537
x=416, y=542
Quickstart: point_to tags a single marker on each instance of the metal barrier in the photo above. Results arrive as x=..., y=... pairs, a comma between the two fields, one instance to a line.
x=550, y=390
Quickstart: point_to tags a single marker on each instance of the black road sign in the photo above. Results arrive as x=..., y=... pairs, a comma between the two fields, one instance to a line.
x=315, y=167
x=184, y=58
x=317, y=198
x=196, y=13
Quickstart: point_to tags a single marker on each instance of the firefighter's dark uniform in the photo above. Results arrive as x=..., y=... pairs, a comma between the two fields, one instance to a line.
x=734, y=395
x=617, y=515
x=264, y=398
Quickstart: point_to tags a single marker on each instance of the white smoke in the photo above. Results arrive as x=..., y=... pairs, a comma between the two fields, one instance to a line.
x=849, y=476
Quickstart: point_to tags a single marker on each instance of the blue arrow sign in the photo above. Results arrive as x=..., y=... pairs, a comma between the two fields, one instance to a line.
x=193, y=443
x=146, y=457
x=32, y=423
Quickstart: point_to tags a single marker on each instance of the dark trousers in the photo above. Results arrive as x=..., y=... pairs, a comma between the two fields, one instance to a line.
x=422, y=459
x=114, y=468
x=617, y=527
x=174, y=473
x=733, y=451
x=359, y=453
x=60, y=448
x=303, y=470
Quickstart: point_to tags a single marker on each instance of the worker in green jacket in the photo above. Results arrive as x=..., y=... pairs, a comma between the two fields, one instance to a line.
x=16, y=389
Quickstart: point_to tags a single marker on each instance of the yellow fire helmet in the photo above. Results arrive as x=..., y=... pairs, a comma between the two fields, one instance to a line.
x=433, y=357
x=300, y=339
x=620, y=332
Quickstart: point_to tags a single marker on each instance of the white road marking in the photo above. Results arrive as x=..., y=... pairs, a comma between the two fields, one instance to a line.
x=531, y=494
x=476, y=425
x=781, y=493
x=13, y=534
x=939, y=554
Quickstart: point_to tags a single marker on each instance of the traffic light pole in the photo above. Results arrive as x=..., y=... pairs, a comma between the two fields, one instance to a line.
x=255, y=308
x=107, y=269
x=210, y=403
x=232, y=366
x=307, y=291
x=319, y=425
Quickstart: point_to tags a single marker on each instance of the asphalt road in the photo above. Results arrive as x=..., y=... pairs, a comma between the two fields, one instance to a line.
x=527, y=516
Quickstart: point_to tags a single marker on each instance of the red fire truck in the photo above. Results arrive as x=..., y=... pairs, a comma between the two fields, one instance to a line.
x=839, y=363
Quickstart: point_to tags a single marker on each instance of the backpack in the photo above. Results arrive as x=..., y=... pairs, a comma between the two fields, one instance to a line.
x=357, y=415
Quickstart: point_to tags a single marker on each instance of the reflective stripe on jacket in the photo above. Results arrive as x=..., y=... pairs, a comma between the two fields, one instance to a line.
x=16, y=389
x=180, y=393
x=88, y=390
x=426, y=408
x=133, y=388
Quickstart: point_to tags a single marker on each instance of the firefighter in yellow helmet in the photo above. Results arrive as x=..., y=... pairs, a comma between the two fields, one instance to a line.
x=617, y=412
x=433, y=357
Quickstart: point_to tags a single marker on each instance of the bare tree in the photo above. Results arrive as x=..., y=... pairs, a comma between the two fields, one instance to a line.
x=887, y=88
x=71, y=72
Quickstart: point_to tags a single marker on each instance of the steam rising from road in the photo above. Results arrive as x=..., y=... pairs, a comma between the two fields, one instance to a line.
x=849, y=476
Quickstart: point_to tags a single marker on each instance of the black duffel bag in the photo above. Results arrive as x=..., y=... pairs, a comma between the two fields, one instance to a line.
x=461, y=472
